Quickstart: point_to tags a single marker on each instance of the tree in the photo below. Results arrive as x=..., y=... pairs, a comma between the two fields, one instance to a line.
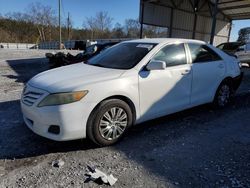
x=99, y=25
x=69, y=26
x=117, y=31
x=244, y=34
x=44, y=18
x=132, y=28
x=18, y=29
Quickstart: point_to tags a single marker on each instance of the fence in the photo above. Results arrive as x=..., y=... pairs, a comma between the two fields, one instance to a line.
x=18, y=46
x=72, y=44
x=75, y=44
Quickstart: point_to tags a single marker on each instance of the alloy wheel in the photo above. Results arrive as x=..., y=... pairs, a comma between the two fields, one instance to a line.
x=113, y=123
x=224, y=95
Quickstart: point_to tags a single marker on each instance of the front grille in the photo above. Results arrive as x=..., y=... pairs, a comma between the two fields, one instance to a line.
x=30, y=96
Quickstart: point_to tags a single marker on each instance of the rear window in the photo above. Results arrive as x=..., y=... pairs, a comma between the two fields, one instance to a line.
x=229, y=46
x=202, y=53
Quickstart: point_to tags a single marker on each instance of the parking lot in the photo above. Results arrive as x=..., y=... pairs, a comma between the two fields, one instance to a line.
x=200, y=147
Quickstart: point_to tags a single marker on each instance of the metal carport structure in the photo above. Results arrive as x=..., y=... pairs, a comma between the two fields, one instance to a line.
x=207, y=20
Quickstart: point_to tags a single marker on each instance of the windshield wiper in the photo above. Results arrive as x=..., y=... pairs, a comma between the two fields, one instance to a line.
x=98, y=65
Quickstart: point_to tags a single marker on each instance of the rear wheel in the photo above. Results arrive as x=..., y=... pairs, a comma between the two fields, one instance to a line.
x=109, y=122
x=224, y=94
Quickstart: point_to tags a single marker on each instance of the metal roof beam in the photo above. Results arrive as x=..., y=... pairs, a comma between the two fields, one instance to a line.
x=228, y=2
x=240, y=16
x=179, y=4
x=191, y=3
x=235, y=7
x=173, y=3
x=218, y=9
x=202, y=5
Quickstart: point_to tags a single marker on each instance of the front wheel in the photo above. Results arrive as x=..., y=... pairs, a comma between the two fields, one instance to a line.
x=224, y=94
x=109, y=122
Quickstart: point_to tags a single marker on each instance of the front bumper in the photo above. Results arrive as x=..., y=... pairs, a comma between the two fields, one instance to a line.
x=70, y=118
x=237, y=81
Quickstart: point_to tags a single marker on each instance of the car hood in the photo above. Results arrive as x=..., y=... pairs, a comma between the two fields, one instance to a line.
x=73, y=77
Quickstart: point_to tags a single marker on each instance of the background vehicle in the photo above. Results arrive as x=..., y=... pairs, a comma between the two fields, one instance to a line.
x=243, y=53
x=127, y=84
x=240, y=50
x=61, y=59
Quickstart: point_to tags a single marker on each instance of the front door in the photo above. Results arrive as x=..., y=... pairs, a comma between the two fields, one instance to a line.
x=166, y=91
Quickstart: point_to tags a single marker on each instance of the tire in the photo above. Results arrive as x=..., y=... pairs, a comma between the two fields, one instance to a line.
x=109, y=122
x=224, y=94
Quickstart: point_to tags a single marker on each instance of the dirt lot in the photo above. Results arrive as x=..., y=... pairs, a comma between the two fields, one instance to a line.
x=200, y=147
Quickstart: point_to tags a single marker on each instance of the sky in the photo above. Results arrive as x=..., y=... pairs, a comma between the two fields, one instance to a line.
x=119, y=10
x=237, y=25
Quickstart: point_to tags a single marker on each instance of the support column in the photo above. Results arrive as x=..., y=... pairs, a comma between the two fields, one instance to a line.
x=171, y=22
x=229, y=32
x=142, y=18
x=194, y=27
x=215, y=9
x=60, y=29
x=195, y=8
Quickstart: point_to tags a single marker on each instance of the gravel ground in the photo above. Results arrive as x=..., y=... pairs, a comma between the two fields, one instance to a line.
x=200, y=147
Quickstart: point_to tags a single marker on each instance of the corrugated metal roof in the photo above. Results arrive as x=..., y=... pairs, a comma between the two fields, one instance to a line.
x=235, y=9
x=232, y=9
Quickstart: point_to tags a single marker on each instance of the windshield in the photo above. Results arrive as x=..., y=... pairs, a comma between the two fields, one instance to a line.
x=122, y=56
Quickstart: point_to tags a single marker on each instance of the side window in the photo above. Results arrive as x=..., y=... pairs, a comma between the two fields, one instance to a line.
x=202, y=53
x=173, y=55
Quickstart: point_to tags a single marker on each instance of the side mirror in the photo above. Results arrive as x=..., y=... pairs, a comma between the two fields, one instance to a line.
x=156, y=65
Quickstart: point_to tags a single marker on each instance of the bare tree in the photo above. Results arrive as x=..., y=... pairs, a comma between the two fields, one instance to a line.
x=43, y=17
x=100, y=25
x=103, y=21
x=244, y=34
x=117, y=31
x=132, y=28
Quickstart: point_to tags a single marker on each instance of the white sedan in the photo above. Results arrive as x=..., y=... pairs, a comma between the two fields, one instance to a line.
x=127, y=84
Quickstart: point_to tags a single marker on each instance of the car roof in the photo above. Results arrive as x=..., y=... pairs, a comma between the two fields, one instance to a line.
x=166, y=40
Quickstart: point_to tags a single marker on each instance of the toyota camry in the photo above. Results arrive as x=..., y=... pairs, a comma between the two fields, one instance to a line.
x=129, y=83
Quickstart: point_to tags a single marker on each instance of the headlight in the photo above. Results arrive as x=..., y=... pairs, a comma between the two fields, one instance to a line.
x=62, y=98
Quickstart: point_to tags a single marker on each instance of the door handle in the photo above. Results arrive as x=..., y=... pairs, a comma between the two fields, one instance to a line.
x=185, y=72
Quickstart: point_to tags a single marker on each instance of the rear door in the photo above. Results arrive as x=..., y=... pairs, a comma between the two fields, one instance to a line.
x=208, y=71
